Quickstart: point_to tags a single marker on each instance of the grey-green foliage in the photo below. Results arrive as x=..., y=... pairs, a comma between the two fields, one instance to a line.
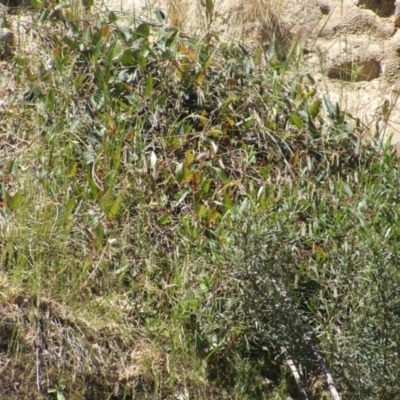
x=329, y=260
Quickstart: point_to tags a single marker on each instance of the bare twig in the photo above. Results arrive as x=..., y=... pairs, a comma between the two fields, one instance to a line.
x=296, y=375
x=308, y=341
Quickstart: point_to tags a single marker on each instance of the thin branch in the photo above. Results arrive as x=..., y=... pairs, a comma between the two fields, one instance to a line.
x=296, y=375
x=307, y=339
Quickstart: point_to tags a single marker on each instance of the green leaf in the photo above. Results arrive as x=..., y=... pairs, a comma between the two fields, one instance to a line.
x=142, y=60
x=72, y=169
x=112, y=213
x=13, y=202
x=171, y=41
x=181, y=196
x=143, y=30
x=221, y=174
x=115, y=51
x=208, y=4
x=37, y=4
x=312, y=128
x=112, y=17
x=87, y=33
x=386, y=108
x=200, y=210
x=315, y=108
x=182, y=173
x=164, y=220
x=205, y=187
x=128, y=58
x=228, y=102
x=228, y=205
x=329, y=107
x=44, y=15
x=339, y=115
x=60, y=396
x=271, y=49
x=93, y=187
x=162, y=101
x=149, y=84
x=160, y=16
x=347, y=189
x=99, y=235
x=87, y=3
x=296, y=121
x=70, y=206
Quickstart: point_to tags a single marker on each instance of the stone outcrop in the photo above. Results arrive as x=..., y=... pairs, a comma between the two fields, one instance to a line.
x=356, y=48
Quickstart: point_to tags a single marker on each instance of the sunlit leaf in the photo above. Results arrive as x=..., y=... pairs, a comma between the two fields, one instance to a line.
x=164, y=220
x=213, y=215
x=105, y=30
x=299, y=90
x=13, y=202
x=153, y=159
x=294, y=159
x=202, y=118
x=60, y=396
x=196, y=177
x=200, y=210
x=37, y=3
x=347, y=189
x=170, y=43
x=30, y=75
x=115, y=52
x=229, y=120
x=228, y=102
x=112, y=213
x=189, y=158
x=179, y=172
x=72, y=169
x=205, y=187
x=160, y=16
x=71, y=204
x=181, y=196
x=228, y=205
x=296, y=121
x=315, y=108
x=149, y=84
x=93, y=187
x=99, y=235
x=221, y=174
x=182, y=173
x=199, y=78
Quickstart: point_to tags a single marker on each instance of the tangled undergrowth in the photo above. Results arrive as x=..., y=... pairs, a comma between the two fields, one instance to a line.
x=188, y=218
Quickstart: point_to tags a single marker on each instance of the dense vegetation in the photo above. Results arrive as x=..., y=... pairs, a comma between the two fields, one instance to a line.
x=188, y=218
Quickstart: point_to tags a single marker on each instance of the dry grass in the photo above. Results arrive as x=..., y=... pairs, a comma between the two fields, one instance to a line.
x=251, y=22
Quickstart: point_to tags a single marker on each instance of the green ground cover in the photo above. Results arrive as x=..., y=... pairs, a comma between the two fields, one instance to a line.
x=189, y=219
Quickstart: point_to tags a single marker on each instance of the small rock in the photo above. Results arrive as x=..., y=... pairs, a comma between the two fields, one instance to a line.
x=7, y=43
x=324, y=7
